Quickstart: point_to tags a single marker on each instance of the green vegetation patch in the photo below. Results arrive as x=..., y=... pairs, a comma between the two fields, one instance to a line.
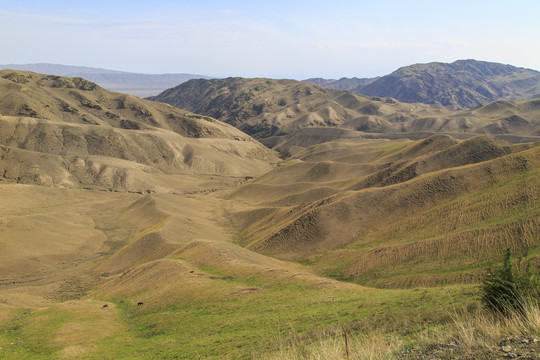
x=253, y=314
x=83, y=84
x=17, y=77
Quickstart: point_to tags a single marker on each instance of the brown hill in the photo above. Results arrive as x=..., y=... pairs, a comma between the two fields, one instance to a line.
x=69, y=132
x=352, y=207
x=265, y=107
x=288, y=115
x=184, y=272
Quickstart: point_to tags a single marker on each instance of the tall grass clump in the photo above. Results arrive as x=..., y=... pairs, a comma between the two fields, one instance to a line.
x=507, y=288
x=485, y=330
x=331, y=345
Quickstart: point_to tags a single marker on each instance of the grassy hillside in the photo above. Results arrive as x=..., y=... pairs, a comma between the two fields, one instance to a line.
x=135, y=230
x=397, y=213
x=170, y=294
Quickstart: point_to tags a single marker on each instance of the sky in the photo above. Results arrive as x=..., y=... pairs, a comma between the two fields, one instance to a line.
x=275, y=39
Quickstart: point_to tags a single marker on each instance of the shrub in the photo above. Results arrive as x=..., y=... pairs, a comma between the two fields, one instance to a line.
x=17, y=78
x=507, y=288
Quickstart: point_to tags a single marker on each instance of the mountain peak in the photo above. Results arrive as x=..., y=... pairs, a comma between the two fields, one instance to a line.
x=463, y=83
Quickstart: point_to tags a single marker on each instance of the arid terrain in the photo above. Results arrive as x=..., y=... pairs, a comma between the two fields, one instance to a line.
x=132, y=229
x=287, y=114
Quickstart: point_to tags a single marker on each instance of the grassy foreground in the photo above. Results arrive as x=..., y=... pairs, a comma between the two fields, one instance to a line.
x=477, y=335
x=233, y=318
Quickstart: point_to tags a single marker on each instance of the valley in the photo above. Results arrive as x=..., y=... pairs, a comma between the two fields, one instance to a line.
x=133, y=229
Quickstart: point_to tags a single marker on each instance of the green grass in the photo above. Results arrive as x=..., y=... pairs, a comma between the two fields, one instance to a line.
x=28, y=334
x=393, y=148
x=241, y=325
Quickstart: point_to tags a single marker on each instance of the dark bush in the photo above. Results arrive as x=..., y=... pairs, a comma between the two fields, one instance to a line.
x=507, y=288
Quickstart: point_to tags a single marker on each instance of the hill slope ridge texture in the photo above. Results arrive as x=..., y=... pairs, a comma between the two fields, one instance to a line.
x=70, y=132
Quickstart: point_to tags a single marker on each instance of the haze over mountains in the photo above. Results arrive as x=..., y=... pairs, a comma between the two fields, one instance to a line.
x=141, y=85
x=463, y=84
x=343, y=83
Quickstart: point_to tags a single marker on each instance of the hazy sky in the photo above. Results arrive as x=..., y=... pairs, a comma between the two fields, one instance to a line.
x=278, y=39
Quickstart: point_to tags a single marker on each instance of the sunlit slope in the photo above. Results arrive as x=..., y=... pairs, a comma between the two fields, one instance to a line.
x=167, y=252
x=184, y=268
x=396, y=213
x=69, y=132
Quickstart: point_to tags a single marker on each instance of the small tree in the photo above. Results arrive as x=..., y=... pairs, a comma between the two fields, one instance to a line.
x=505, y=289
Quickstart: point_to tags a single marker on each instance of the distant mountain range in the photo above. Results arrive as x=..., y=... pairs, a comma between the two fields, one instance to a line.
x=463, y=84
x=141, y=85
x=343, y=83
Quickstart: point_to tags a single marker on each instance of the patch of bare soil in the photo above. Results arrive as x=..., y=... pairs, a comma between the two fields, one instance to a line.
x=519, y=347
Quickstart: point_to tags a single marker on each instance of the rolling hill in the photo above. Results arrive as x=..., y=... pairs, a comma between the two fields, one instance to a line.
x=397, y=213
x=69, y=132
x=266, y=107
x=287, y=114
x=141, y=85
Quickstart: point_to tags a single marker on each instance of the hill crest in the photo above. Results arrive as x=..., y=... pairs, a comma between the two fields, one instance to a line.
x=287, y=114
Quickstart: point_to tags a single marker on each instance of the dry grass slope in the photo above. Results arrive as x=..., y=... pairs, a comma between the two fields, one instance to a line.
x=68, y=132
x=436, y=212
